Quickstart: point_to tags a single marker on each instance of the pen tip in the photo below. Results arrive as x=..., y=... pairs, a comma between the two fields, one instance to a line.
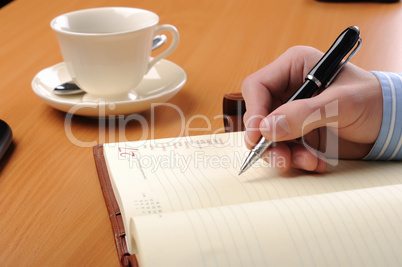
x=244, y=167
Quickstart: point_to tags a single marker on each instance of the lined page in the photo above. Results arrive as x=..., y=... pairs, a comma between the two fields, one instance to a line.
x=351, y=228
x=168, y=175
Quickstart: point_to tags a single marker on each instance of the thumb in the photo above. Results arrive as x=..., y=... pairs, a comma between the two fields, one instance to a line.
x=295, y=119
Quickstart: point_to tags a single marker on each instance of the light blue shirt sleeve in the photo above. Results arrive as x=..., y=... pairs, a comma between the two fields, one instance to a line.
x=389, y=141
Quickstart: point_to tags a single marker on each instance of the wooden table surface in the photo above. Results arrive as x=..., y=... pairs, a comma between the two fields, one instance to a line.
x=52, y=212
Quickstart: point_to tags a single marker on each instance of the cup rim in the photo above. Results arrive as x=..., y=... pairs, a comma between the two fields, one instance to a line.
x=53, y=22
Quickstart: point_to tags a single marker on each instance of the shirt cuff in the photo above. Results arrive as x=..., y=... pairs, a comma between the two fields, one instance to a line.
x=389, y=142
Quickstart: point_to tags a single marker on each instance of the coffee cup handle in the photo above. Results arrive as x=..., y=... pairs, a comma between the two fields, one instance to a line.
x=173, y=44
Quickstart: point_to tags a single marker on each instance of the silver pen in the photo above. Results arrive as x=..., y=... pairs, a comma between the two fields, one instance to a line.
x=320, y=76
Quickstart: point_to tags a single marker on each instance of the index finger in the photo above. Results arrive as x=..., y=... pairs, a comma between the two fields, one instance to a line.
x=271, y=86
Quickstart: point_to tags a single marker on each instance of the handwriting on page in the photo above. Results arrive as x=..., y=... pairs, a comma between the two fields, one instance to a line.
x=151, y=155
x=179, y=144
x=127, y=151
x=203, y=173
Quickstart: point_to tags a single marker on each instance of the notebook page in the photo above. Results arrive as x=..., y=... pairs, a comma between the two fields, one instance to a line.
x=351, y=228
x=169, y=175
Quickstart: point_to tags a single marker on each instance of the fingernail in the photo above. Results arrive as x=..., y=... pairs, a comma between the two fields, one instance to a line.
x=275, y=126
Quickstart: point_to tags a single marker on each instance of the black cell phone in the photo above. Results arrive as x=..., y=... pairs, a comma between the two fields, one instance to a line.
x=5, y=137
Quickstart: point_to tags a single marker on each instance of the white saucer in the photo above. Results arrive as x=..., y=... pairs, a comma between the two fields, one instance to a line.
x=160, y=84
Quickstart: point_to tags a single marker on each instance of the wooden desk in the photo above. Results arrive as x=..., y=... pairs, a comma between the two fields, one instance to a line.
x=52, y=211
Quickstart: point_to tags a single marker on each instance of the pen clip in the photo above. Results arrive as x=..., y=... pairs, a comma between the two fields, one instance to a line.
x=359, y=43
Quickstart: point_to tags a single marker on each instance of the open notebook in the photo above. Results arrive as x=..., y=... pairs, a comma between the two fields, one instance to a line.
x=182, y=203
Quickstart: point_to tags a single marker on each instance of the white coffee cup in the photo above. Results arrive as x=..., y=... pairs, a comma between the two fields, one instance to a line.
x=107, y=50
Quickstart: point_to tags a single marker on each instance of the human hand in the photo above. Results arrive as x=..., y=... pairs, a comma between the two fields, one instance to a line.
x=349, y=109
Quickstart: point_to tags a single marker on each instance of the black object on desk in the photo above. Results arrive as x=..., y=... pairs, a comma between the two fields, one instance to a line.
x=5, y=137
x=359, y=1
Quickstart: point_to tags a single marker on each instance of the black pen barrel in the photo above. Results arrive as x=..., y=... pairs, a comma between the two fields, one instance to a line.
x=305, y=91
x=336, y=53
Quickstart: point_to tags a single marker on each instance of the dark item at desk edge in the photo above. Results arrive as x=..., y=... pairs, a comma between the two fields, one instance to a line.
x=5, y=137
x=359, y=1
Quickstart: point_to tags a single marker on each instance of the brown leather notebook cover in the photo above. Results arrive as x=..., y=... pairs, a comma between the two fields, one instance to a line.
x=113, y=209
x=233, y=111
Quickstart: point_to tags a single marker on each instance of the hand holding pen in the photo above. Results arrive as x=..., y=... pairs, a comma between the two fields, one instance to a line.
x=273, y=114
